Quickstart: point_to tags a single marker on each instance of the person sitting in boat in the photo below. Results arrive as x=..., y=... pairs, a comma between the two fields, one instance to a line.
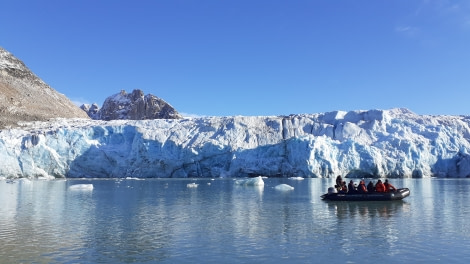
x=379, y=186
x=370, y=187
x=351, y=187
x=344, y=188
x=389, y=186
x=361, y=188
x=339, y=182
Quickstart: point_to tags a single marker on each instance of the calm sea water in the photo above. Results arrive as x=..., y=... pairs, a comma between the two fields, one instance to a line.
x=164, y=221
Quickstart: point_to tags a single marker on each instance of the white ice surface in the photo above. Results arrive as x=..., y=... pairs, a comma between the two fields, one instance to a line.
x=375, y=143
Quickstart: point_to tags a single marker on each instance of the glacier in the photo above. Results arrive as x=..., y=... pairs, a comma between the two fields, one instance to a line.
x=363, y=143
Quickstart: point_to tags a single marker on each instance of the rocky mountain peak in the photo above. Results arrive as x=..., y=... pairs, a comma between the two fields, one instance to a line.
x=133, y=106
x=92, y=110
x=25, y=97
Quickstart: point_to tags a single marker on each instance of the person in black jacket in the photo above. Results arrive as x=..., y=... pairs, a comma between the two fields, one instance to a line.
x=351, y=187
x=339, y=182
x=370, y=187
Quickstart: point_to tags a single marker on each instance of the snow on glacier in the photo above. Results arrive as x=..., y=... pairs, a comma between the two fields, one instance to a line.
x=374, y=143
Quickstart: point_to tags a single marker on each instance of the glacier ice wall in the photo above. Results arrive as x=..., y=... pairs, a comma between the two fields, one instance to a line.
x=374, y=143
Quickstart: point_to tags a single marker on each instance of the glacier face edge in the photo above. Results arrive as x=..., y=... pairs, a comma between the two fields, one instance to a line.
x=374, y=143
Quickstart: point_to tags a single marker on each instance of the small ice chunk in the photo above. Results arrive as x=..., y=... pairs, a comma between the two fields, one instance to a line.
x=257, y=181
x=81, y=187
x=24, y=181
x=284, y=187
x=192, y=185
x=296, y=178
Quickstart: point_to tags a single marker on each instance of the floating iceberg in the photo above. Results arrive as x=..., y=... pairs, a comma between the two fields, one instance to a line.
x=256, y=181
x=133, y=178
x=284, y=187
x=81, y=187
x=192, y=185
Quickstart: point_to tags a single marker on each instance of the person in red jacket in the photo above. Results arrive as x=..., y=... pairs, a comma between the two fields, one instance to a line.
x=361, y=188
x=389, y=187
x=379, y=186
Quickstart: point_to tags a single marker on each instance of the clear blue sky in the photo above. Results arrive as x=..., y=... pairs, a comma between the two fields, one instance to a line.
x=250, y=57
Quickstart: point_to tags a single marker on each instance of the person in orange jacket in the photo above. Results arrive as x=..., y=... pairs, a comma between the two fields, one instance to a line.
x=361, y=188
x=389, y=186
x=379, y=186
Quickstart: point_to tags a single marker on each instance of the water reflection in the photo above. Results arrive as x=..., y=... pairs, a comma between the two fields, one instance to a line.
x=131, y=223
x=146, y=221
x=27, y=223
x=347, y=210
